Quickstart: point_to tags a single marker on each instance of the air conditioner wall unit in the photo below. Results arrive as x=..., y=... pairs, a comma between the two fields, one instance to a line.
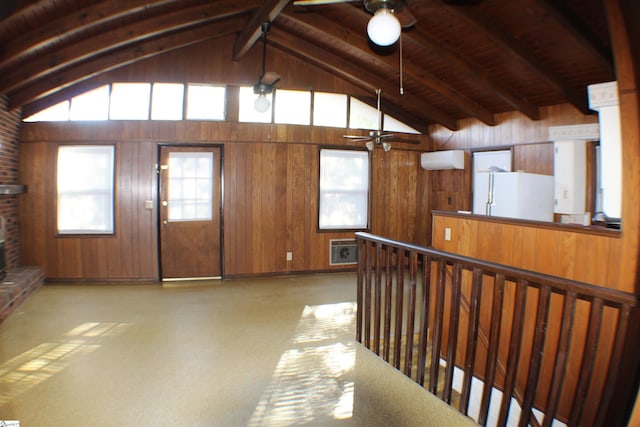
x=438, y=160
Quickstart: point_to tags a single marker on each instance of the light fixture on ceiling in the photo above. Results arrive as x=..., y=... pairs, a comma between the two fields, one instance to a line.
x=267, y=80
x=262, y=104
x=371, y=145
x=384, y=27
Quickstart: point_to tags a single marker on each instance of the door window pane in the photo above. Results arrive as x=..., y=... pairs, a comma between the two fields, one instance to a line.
x=130, y=101
x=167, y=101
x=190, y=194
x=85, y=189
x=344, y=189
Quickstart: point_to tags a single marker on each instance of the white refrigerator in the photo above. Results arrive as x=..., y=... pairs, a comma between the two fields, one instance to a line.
x=513, y=195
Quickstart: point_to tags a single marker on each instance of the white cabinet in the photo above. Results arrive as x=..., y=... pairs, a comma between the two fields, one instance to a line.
x=569, y=165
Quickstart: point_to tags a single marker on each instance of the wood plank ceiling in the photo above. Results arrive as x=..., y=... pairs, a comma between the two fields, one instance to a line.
x=458, y=61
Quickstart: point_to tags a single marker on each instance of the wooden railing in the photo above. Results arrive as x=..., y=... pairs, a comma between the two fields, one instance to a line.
x=502, y=345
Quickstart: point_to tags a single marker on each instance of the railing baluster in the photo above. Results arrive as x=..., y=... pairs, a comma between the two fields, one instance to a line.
x=424, y=318
x=388, y=292
x=437, y=326
x=386, y=309
x=454, y=318
x=492, y=352
x=560, y=367
x=367, y=300
x=377, y=300
x=362, y=251
x=397, y=341
x=588, y=359
x=472, y=339
x=614, y=364
x=411, y=313
x=514, y=350
x=542, y=314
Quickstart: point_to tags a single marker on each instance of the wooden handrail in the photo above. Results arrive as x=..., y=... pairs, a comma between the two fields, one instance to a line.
x=552, y=337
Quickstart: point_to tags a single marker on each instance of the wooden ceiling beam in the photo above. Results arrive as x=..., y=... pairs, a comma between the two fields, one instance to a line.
x=15, y=12
x=53, y=62
x=422, y=112
x=268, y=12
x=472, y=72
x=347, y=40
x=90, y=20
x=124, y=56
x=582, y=35
x=516, y=50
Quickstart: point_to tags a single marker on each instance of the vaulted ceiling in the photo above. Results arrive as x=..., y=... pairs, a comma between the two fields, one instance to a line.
x=461, y=59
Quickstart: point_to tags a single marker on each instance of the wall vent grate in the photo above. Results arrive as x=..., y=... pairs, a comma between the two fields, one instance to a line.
x=343, y=252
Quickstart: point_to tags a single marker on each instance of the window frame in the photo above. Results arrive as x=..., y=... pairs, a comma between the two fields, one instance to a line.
x=86, y=233
x=367, y=227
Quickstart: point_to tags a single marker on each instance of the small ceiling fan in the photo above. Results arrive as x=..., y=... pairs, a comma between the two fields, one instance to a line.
x=389, y=17
x=376, y=137
x=267, y=80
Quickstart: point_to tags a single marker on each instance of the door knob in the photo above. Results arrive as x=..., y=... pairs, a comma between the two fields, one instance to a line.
x=165, y=203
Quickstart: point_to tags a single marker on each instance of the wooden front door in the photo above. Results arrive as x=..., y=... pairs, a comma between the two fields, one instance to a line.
x=190, y=201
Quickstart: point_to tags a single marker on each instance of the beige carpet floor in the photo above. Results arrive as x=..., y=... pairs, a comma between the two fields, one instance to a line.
x=259, y=352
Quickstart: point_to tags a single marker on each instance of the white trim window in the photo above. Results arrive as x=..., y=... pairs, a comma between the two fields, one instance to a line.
x=344, y=190
x=85, y=189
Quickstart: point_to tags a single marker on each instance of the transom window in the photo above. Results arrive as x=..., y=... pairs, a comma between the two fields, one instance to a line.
x=167, y=100
x=130, y=101
x=344, y=189
x=200, y=101
x=92, y=105
x=85, y=189
x=293, y=107
x=206, y=102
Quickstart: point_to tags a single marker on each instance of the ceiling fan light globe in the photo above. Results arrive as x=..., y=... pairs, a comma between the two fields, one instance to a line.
x=386, y=146
x=262, y=104
x=369, y=145
x=384, y=28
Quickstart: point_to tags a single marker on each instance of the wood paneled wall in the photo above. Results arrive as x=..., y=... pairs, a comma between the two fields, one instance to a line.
x=562, y=251
x=270, y=176
x=130, y=254
x=532, y=150
x=270, y=197
x=270, y=193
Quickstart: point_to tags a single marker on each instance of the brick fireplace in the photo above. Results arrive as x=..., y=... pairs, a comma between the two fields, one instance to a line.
x=9, y=180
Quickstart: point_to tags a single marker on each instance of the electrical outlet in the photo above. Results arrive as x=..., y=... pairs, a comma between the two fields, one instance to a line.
x=447, y=233
x=289, y=256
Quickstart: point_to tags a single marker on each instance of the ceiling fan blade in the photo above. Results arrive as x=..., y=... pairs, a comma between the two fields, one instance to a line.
x=357, y=137
x=270, y=78
x=318, y=2
x=406, y=18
